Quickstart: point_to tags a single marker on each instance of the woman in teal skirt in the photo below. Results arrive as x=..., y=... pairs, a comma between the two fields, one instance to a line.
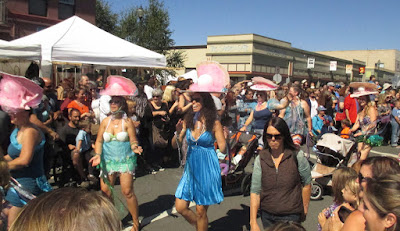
x=201, y=180
x=116, y=148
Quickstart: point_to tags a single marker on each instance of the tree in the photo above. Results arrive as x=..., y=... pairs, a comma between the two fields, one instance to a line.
x=105, y=18
x=151, y=30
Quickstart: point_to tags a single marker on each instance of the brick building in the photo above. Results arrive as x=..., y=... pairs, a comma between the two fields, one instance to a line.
x=19, y=18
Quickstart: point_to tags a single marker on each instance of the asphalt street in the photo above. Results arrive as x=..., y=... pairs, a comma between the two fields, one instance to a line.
x=155, y=195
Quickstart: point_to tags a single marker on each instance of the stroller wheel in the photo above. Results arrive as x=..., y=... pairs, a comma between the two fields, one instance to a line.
x=246, y=184
x=316, y=191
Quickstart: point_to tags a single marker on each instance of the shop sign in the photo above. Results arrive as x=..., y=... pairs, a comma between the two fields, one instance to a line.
x=310, y=63
x=333, y=66
x=349, y=68
x=362, y=70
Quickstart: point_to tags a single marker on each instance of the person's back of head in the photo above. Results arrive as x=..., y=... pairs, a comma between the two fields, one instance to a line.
x=68, y=209
x=382, y=166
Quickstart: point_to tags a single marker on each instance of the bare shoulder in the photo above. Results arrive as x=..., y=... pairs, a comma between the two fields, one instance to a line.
x=355, y=221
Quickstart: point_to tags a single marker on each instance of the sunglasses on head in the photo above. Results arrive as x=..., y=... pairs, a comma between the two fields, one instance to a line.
x=276, y=136
x=361, y=178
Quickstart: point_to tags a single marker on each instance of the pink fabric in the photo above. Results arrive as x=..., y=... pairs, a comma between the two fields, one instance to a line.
x=19, y=93
x=212, y=77
x=263, y=84
x=119, y=85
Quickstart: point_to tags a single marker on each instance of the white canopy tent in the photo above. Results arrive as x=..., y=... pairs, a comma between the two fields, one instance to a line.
x=24, y=52
x=190, y=75
x=77, y=41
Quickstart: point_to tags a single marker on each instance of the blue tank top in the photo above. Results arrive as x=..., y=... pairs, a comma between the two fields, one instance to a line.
x=261, y=118
x=35, y=168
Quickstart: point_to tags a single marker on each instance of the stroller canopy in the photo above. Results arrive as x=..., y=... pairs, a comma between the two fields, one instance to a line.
x=336, y=143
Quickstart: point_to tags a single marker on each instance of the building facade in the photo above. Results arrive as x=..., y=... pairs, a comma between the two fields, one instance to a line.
x=19, y=18
x=249, y=55
x=384, y=64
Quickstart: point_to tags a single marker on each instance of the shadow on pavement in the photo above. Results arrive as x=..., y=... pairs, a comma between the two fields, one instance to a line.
x=235, y=220
x=162, y=203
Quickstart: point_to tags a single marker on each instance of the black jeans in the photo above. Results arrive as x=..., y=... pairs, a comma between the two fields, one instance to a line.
x=269, y=219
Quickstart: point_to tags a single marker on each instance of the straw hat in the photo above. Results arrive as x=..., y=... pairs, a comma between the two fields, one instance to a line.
x=18, y=93
x=363, y=88
x=263, y=84
x=119, y=86
x=212, y=77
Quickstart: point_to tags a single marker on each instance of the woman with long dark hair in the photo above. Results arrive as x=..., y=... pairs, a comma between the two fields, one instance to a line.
x=201, y=180
x=281, y=178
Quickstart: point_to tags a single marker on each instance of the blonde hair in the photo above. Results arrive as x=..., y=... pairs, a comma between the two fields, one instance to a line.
x=167, y=96
x=383, y=194
x=340, y=178
x=354, y=188
x=68, y=209
x=131, y=104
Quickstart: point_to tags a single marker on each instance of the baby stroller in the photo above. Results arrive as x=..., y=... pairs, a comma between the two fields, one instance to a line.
x=332, y=152
x=242, y=146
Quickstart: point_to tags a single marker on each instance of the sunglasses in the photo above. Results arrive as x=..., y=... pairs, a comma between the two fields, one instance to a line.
x=114, y=102
x=197, y=99
x=361, y=178
x=276, y=136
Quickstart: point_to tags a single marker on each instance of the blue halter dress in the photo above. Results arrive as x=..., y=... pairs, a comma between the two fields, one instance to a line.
x=201, y=180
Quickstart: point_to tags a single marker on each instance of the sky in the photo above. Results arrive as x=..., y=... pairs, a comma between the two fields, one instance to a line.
x=313, y=25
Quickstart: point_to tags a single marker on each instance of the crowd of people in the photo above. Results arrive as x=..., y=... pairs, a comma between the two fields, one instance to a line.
x=130, y=129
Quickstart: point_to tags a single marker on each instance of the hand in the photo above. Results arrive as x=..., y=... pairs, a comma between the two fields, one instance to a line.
x=357, y=134
x=136, y=124
x=242, y=129
x=179, y=127
x=335, y=223
x=310, y=133
x=162, y=113
x=254, y=227
x=54, y=135
x=322, y=218
x=138, y=150
x=95, y=160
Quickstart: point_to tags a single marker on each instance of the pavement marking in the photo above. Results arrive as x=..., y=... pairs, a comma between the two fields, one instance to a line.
x=383, y=153
x=158, y=216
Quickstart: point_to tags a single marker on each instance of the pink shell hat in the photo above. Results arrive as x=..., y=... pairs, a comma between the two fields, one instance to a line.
x=262, y=84
x=212, y=77
x=18, y=93
x=119, y=86
x=363, y=88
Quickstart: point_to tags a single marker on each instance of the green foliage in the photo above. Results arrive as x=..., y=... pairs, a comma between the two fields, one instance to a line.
x=105, y=18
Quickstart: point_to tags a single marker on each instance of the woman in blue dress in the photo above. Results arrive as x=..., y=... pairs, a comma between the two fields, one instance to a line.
x=25, y=153
x=201, y=180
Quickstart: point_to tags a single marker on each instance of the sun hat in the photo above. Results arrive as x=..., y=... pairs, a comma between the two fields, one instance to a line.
x=212, y=77
x=363, y=88
x=119, y=86
x=262, y=84
x=304, y=81
x=330, y=84
x=18, y=93
x=321, y=108
x=386, y=86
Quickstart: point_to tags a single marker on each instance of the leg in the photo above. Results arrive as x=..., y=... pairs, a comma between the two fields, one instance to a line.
x=202, y=219
x=365, y=151
x=395, y=136
x=12, y=215
x=130, y=197
x=104, y=187
x=183, y=208
x=77, y=162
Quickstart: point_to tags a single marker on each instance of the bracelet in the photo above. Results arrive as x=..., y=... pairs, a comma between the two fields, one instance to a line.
x=134, y=142
x=97, y=154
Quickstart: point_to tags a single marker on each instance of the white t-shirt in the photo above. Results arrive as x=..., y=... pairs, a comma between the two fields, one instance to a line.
x=148, y=90
x=314, y=106
x=217, y=102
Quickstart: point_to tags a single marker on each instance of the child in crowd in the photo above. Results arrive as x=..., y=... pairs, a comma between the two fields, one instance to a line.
x=83, y=145
x=395, y=121
x=132, y=114
x=340, y=179
x=345, y=133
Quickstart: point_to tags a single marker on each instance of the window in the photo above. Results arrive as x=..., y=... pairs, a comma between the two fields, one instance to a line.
x=66, y=8
x=38, y=7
